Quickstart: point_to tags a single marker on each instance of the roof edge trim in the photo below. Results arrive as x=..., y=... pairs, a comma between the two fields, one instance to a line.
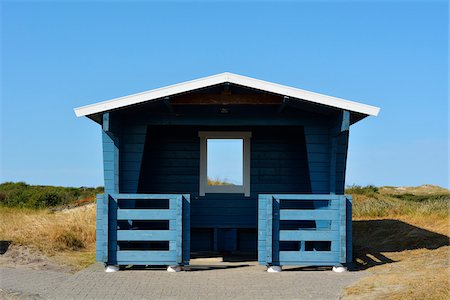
x=222, y=78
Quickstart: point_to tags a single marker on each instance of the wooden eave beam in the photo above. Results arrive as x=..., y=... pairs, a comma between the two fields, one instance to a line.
x=283, y=104
x=167, y=103
x=226, y=99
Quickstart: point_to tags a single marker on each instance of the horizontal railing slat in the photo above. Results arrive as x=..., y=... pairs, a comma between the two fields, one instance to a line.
x=308, y=256
x=304, y=197
x=145, y=214
x=146, y=235
x=149, y=256
x=145, y=196
x=291, y=214
x=308, y=235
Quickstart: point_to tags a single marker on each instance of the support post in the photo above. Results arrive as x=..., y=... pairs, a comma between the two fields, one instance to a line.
x=111, y=178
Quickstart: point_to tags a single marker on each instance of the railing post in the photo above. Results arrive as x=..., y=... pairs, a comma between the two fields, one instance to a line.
x=349, y=236
x=179, y=214
x=342, y=228
x=269, y=222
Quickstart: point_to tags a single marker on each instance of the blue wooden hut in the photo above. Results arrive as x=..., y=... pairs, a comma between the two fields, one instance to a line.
x=288, y=207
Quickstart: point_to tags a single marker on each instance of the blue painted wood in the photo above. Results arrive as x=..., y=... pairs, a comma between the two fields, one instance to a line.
x=150, y=257
x=146, y=214
x=132, y=149
x=302, y=257
x=174, y=214
x=349, y=246
x=102, y=228
x=146, y=196
x=304, y=197
x=333, y=165
x=331, y=226
x=179, y=233
x=269, y=230
x=308, y=235
x=111, y=228
x=317, y=145
x=186, y=228
x=343, y=230
x=345, y=125
x=171, y=165
x=262, y=230
x=287, y=214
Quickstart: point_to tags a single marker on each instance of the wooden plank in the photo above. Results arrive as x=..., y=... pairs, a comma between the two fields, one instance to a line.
x=146, y=235
x=106, y=123
x=309, y=235
x=345, y=124
x=179, y=236
x=269, y=223
x=226, y=99
x=349, y=237
x=145, y=214
x=145, y=196
x=276, y=232
x=343, y=229
x=304, y=197
x=150, y=257
x=332, y=175
x=290, y=214
x=302, y=257
x=262, y=233
x=110, y=224
x=186, y=228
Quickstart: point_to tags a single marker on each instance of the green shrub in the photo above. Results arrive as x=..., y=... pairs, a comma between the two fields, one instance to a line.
x=368, y=190
x=20, y=194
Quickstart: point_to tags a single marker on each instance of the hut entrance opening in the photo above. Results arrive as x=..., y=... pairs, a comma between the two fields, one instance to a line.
x=254, y=159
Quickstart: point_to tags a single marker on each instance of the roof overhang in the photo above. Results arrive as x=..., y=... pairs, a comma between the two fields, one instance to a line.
x=222, y=78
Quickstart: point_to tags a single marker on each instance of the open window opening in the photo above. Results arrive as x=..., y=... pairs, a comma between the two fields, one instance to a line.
x=224, y=162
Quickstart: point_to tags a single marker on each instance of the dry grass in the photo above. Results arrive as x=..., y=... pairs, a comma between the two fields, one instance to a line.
x=68, y=236
x=414, y=274
x=218, y=181
x=403, y=243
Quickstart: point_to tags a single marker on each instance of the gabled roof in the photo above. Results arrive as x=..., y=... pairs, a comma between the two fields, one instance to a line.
x=227, y=78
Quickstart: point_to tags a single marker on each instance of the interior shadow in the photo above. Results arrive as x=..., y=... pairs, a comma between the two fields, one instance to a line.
x=227, y=256
x=307, y=268
x=372, y=239
x=195, y=268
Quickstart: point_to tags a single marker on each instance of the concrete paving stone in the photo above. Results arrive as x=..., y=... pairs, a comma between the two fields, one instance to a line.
x=240, y=281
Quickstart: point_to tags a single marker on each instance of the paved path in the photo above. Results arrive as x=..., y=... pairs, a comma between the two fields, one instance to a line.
x=222, y=281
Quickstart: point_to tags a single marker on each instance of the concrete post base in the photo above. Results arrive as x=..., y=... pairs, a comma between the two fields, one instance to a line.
x=274, y=269
x=173, y=269
x=339, y=269
x=111, y=268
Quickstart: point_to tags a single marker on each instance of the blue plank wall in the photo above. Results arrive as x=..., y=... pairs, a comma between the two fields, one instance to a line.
x=159, y=153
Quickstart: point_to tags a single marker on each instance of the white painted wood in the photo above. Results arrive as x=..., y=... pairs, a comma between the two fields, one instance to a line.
x=294, y=93
x=204, y=187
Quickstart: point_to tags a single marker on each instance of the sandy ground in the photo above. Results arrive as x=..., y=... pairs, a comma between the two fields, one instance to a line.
x=26, y=258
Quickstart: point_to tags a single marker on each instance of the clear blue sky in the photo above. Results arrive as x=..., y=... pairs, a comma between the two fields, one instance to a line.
x=57, y=56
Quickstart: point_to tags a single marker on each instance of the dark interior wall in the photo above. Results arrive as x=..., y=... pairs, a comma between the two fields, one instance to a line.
x=171, y=160
x=290, y=153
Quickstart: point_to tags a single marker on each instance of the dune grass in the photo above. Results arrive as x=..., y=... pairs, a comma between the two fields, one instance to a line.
x=68, y=235
x=401, y=236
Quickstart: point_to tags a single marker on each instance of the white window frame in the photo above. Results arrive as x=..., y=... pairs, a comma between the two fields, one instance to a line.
x=204, y=187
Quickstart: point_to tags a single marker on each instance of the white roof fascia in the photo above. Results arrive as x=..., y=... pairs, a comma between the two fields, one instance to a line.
x=222, y=78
